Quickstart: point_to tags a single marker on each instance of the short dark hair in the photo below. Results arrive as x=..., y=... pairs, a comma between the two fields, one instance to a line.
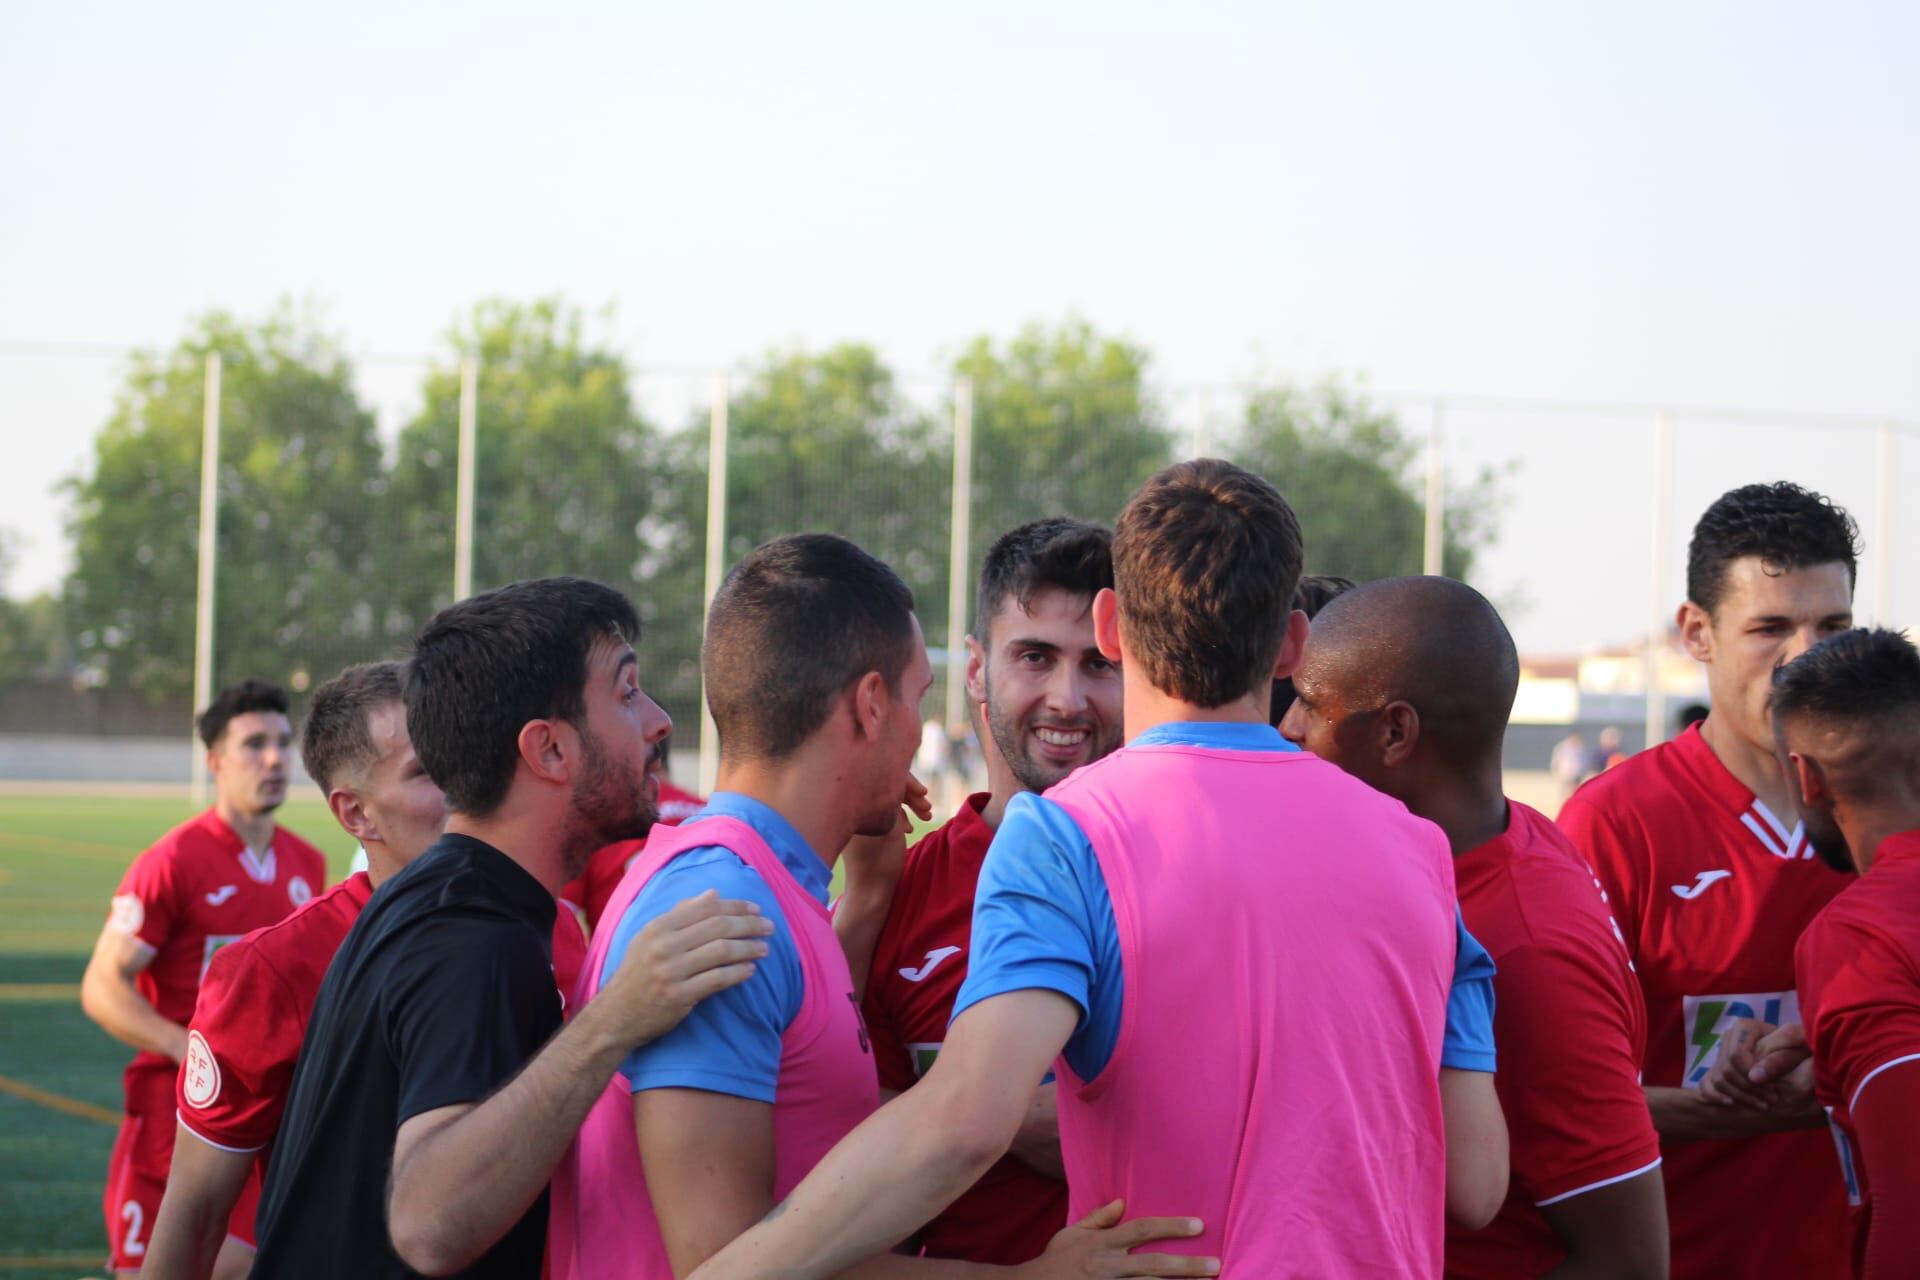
x=336, y=741
x=1057, y=553
x=1205, y=561
x=793, y=625
x=1786, y=526
x=1858, y=674
x=236, y=700
x=487, y=666
x=1315, y=592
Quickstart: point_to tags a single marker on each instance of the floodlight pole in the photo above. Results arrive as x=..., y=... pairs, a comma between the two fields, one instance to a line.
x=960, y=533
x=1883, y=533
x=1656, y=706
x=206, y=564
x=463, y=478
x=716, y=566
x=1433, y=557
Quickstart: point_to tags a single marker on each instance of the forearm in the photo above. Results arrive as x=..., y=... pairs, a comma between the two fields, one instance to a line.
x=455, y=1195
x=896, y=1171
x=1682, y=1115
x=123, y=1013
x=858, y=918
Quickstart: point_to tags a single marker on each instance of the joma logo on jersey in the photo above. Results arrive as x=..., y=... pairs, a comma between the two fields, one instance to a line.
x=1706, y=1018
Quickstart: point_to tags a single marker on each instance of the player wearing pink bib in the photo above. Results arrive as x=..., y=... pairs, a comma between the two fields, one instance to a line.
x=1257, y=1038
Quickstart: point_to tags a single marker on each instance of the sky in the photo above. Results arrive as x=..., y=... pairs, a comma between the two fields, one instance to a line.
x=1638, y=204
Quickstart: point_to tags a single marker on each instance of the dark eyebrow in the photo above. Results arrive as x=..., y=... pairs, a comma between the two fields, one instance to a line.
x=1028, y=642
x=627, y=659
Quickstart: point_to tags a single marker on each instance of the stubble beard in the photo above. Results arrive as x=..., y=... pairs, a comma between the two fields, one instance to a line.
x=610, y=804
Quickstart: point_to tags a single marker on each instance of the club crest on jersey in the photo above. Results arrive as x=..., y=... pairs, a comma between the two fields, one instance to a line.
x=199, y=1073
x=299, y=892
x=1704, y=1019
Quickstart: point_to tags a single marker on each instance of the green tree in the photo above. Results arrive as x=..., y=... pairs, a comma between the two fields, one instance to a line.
x=1063, y=426
x=1347, y=468
x=299, y=463
x=566, y=468
x=31, y=642
x=816, y=443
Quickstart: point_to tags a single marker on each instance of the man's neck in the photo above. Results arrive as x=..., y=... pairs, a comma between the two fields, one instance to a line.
x=1146, y=707
x=255, y=829
x=382, y=863
x=533, y=841
x=1757, y=769
x=799, y=791
x=1471, y=811
x=1868, y=827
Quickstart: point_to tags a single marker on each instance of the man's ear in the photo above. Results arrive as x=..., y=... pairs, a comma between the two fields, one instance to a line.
x=976, y=671
x=548, y=749
x=1814, y=791
x=352, y=815
x=1293, y=645
x=868, y=701
x=1106, y=624
x=1696, y=631
x=1399, y=729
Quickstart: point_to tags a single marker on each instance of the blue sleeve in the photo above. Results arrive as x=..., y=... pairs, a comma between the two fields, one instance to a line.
x=730, y=1042
x=1469, y=1042
x=1043, y=920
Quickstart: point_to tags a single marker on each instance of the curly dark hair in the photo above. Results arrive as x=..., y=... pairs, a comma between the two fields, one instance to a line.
x=1073, y=556
x=1786, y=526
x=236, y=700
x=1866, y=672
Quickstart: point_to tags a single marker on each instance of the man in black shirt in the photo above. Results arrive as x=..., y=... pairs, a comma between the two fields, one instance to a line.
x=425, y=1118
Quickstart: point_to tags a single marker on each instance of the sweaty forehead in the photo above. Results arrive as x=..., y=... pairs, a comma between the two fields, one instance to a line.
x=1756, y=589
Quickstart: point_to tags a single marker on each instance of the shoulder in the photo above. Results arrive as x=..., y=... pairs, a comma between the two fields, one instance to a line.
x=694, y=872
x=1642, y=779
x=312, y=932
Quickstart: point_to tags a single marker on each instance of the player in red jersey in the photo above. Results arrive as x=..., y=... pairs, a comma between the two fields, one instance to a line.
x=1052, y=704
x=588, y=895
x=1846, y=719
x=204, y=884
x=1712, y=889
x=1407, y=685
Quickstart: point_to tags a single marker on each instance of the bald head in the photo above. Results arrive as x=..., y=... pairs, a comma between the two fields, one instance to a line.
x=1433, y=644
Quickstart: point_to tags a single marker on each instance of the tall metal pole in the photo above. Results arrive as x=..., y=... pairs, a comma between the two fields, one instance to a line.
x=959, y=535
x=463, y=479
x=1657, y=603
x=207, y=563
x=1883, y=533
x=716, y=566
x=1433, y=557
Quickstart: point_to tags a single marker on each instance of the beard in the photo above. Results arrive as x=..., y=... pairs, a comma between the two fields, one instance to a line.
x=1830, y=845
x=1014, y=737
x=611, y=802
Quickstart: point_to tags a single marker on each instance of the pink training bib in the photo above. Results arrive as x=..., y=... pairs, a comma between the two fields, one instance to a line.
x=602, y=1222
x=1287, y=947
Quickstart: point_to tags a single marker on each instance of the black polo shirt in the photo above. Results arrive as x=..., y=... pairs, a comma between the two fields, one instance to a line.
x=441, y=992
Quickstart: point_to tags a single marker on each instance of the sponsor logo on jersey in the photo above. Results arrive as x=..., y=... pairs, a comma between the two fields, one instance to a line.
x=215, y=941
x=299, y=892
x=221, y=894
x=1848, y=1174
x=931, y=963
x=128, y=914
x=199, y=1073
x=1704, y=1019
x=1701, y=883
x=923, y=1056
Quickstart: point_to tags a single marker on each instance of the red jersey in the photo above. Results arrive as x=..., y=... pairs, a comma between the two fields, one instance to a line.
x=196, y=890
x=596, y=884
x=1858, y=968
x=1571, y=1027
x=1711, y=892
x=919, y=963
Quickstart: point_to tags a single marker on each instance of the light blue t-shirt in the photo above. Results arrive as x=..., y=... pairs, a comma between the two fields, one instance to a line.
x=730, y=1042
x=1043, y=919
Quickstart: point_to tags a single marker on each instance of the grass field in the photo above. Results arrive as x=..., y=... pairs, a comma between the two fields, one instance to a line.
x=61, y=856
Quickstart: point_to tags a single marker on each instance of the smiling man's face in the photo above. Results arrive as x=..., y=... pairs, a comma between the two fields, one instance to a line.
x=1053, y=700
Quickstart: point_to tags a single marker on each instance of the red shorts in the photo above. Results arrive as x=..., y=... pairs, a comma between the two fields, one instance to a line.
x=137, y=1173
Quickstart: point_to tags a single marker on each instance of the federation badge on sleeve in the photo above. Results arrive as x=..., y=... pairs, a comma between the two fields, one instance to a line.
x=128, y=914
x=199, y=1073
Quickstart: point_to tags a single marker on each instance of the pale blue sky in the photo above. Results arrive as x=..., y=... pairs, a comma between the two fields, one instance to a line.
x=1632, y=202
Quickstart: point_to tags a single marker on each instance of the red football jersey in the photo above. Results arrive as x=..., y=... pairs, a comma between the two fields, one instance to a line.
x=1010, y=1215
x=1712, y=891
x=252, y=1015
x=1571, y=1027
x=591, y=892
x=1858, y=966
x=196, y=890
